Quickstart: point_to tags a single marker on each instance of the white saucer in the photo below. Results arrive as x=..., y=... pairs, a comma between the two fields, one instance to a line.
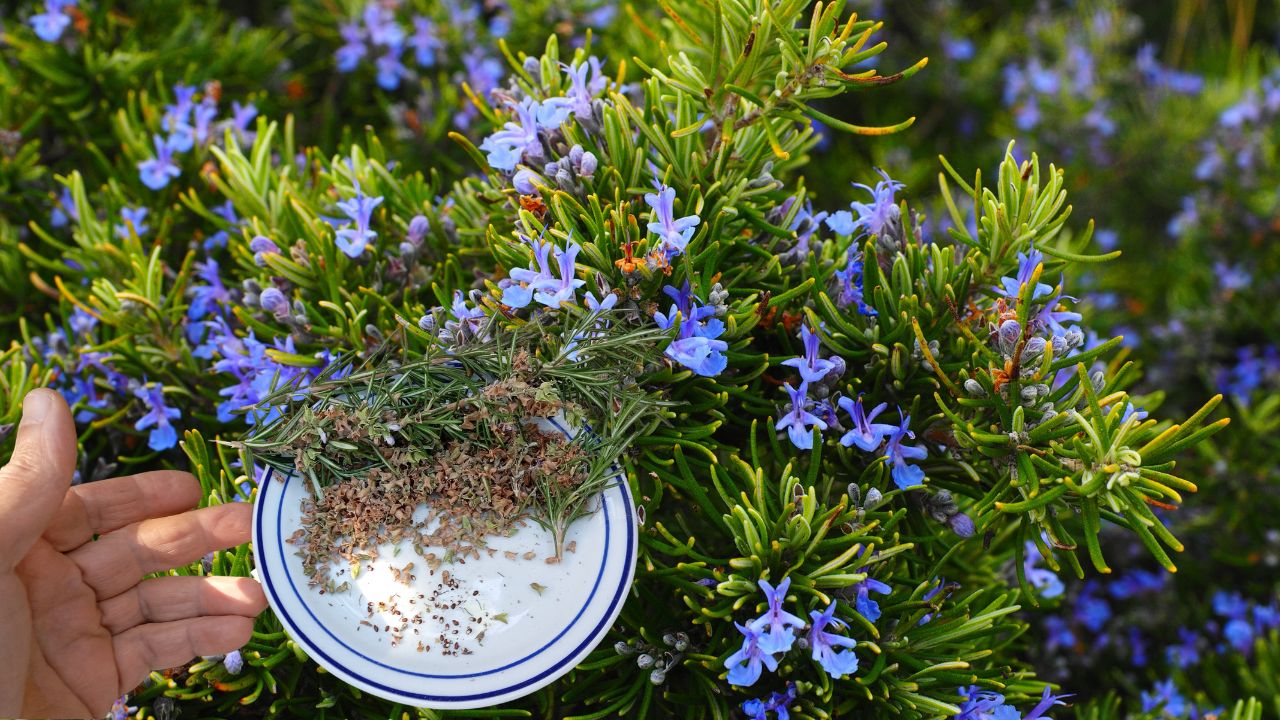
x=538, y=620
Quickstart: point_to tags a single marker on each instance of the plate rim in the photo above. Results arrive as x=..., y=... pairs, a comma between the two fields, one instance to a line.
x=507, y=692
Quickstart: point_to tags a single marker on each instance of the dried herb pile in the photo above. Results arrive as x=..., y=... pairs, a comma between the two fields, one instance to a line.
x=457, y=432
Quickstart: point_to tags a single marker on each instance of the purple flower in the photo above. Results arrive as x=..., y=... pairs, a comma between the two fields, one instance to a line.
x=241, y=116
x=594, y=305
x=673, y=233
x=156, y=172
x=64, y=210
x=81, y=322
x=226, y=211
x=390, y=69
x=825, y=646
x=424, y=41
x=778, y=703
x=158, y=416
x=465, y=323
x=799, y=420
x=353, y=50
x=359, y=209
x=874, y=217
x=1186, y=652
x=551, y=291
x=1011, y=287
x=132, y=218
x=1090, y=609
x=865, y=434
x=1165, y=696
x=851, y=290
x=482, y=73
x=701, y=354
x=520, y=292
x=866, y=607
x=1042, y=579
x=518, y=138
x=207, y=297
x=585, y=82
x=205, y=113
x=778, y=624
x=1053, y=316
x=50, y=24
x=812, y=368
x=745, y=664
x=383, y=29
x=904, y=475
x=696, y=346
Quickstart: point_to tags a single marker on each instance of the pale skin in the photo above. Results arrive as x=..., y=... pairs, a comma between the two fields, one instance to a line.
x=79, y=626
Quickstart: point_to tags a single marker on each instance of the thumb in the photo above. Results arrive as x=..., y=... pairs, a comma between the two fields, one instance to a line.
x=33, y=484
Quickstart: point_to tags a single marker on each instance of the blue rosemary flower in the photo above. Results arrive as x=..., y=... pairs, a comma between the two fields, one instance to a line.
x=50, y=24
x=554, y=291
x=262, y=246
x=353, y=49
x=1091, y=609
x=352, y=241
x=811, y=367
x=745, y=665
x=207, y=297
x=132, y=218
x=799, y=420
x=1053, y=316
x=177, y=118
x=696, y=345
x=897, y=454
x=987, y=705
x=867, y=607
x=390, y=69
x=826, y=646
x=778, y=703
x=1164, y=696
x=865, y=434
x=585, y=82
x=1028, y=262
x=380, y=22
x=1186, y=652
x=873, y=217
x=674, y=234
x=64, y=210
x=156, y=172
x=158, y=417
x=204, y=115
x=1042, y=579
x=519, y=293
x=424, y=41
x=226, y=211
x=778, y=624
x=241, y=116
x=851, y=291
x=517, y=141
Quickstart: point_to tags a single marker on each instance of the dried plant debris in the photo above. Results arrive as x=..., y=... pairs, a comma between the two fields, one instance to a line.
x=452, y=449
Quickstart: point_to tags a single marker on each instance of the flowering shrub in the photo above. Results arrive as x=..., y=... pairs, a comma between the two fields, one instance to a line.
x=902, y=468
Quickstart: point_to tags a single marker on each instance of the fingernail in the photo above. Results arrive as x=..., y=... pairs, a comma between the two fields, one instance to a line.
x=36, y=406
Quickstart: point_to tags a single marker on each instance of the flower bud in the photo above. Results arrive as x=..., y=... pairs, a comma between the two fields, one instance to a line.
x=418, y=228
x=974, y=388
x=273, y=301
x=523, y=182
x=587, y=166
x=623, y=648
x=645, y=661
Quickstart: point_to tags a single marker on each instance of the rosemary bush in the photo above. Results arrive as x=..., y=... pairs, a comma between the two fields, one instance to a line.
x=932, y=445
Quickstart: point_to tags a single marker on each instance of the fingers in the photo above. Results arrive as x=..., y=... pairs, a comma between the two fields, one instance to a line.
x=163, y=645
x=36, y=479
x=106, y=505
x=178, y=598
x=117, y=560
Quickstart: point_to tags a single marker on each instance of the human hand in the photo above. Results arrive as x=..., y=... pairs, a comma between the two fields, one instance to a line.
x=78, y=625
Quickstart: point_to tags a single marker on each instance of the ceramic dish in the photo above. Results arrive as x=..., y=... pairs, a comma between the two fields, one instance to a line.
x=476, y=634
